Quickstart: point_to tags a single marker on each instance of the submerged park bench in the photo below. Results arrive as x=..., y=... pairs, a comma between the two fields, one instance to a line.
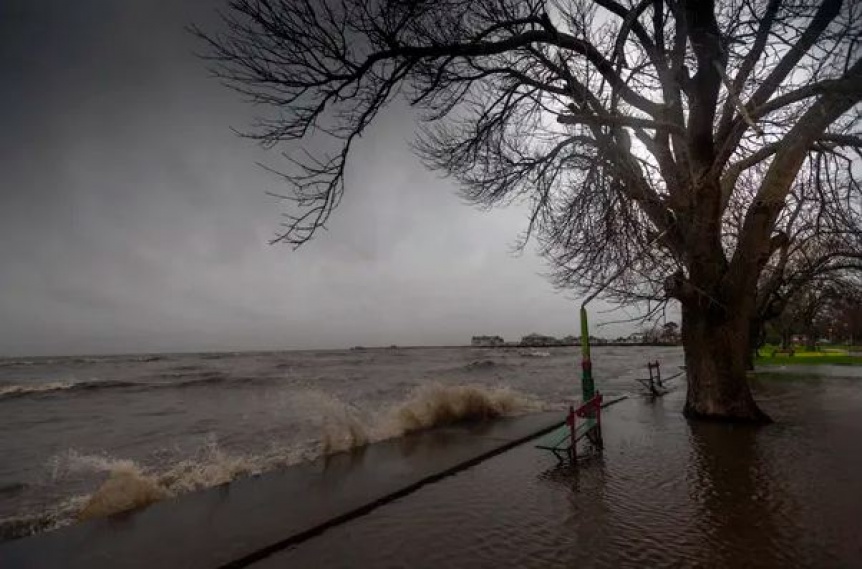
x=563, y=442
x=653, y=383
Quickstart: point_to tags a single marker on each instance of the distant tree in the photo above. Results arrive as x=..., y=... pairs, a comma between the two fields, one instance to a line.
x=824, y=310
x=651, y=334
x=666, y=333
x=846, y=320
x=670, y=332
x=820, y=254
x=634, y=130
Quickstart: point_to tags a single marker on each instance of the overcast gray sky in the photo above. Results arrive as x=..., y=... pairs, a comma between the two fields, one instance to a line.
x=132, y=219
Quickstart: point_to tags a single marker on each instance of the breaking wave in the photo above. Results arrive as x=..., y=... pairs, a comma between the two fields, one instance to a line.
x=66, y=360
x=13, y=391
x=345, y=427
x=57, y=516
x=127, y=485
x=439, y=405
x=180, y=380
x=25, y=363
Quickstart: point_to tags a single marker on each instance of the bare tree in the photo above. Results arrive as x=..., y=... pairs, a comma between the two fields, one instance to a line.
x=846, y=319
x=628, y=127
x=824, y=309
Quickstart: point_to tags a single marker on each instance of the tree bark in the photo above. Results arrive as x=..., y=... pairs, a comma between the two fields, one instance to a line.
x=716, y=346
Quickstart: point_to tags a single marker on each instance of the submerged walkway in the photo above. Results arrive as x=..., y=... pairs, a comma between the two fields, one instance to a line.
x=244, y=521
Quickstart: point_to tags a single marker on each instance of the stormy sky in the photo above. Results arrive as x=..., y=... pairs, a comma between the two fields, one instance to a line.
x=133, y=219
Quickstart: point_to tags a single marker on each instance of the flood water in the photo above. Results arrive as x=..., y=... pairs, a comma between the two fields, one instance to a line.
x=665, y=493
x=190, y=421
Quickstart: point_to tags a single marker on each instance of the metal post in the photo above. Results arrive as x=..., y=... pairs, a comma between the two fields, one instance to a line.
x=599, y=442
x=588, y=387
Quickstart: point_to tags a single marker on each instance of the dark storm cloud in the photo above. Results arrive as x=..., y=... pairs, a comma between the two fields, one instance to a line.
x=133, y=219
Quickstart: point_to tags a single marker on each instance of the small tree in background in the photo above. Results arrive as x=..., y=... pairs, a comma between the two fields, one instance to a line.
x=828, y=309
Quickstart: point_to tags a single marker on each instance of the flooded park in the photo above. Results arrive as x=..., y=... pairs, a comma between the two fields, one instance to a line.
x=664, y=493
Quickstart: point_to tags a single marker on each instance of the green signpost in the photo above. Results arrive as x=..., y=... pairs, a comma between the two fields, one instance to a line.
x=588, y=387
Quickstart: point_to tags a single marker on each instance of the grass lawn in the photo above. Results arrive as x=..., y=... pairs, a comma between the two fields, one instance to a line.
x=832, y=356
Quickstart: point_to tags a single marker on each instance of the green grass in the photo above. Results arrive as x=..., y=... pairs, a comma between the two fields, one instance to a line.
x=795, y=360
x=831, y=356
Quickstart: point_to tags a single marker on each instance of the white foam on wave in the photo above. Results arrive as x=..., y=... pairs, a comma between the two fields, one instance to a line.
x=58, y=515
x=438, y=405
x=129, y=485
x=16, y=390
x=434, y=405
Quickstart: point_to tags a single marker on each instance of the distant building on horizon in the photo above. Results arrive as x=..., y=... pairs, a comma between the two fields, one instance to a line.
x=539, y=341
x=531, y=341
x=487, y=341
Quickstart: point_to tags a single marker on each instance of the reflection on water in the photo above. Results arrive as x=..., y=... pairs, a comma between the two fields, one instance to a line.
x=665, y=493
x=736, y=496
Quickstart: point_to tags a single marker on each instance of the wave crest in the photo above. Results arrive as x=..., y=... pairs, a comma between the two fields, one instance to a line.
x=124, y=490
x=57, y=516
x=343, y=427
x=428, y=406
x=182, y=381
x=13, y=391
x=440, y=405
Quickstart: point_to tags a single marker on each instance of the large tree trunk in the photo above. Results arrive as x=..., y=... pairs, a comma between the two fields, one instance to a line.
x=716, y=346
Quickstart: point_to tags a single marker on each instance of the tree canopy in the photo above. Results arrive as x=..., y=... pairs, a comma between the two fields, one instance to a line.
x=658, y=142
x=541, y=99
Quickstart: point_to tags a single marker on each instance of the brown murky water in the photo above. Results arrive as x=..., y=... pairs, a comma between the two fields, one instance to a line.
x=193, y=421
x=665, y=493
